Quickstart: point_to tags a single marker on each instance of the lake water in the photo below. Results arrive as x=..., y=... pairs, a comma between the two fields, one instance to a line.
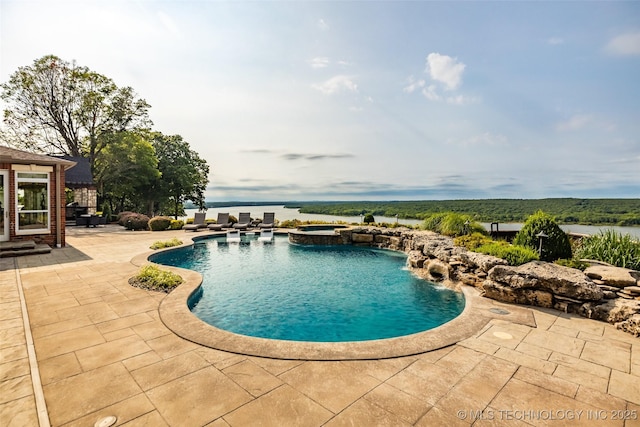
x=283, y=214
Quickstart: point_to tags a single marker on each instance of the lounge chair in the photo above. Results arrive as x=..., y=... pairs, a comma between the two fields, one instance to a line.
x=266, y=235
x=268, y=220
x=244, y=220
x=233, y=236
x=198, y=222
x=221, y=222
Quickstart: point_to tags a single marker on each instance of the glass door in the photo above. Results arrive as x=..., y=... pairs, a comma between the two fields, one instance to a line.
x=4, y=211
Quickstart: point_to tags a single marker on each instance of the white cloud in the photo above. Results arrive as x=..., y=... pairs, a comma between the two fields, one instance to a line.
x=413, y=84
x=431, y=93
x=555, y=40
x=322, y=24
x=576, y=122
x=319, y=62
x=624, y=44
x=461, y=100
x=336, y=84
x=445, y=69
x=486, y=139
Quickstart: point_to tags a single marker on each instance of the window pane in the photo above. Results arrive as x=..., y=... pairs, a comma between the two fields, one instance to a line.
x=32, y=196
x=32, y=175
x=33, y=221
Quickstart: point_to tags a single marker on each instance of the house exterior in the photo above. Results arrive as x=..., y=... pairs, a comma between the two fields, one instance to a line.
x=80, y=180
x=32, y=197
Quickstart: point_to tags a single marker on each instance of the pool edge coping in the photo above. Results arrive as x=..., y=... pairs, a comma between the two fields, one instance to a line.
x=177, y=317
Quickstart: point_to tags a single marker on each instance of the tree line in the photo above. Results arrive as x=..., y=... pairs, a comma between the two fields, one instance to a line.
x=59, y=107
x=622, y=212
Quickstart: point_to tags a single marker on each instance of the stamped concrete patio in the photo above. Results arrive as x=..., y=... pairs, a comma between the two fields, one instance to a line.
x=94, y=346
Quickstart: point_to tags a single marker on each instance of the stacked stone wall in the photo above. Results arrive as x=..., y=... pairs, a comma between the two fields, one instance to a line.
x=605, y=293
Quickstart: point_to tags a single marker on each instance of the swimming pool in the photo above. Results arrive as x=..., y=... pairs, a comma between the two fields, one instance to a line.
x=311, y=293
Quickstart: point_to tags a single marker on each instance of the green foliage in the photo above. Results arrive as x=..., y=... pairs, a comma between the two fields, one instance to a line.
x=57, y=106
x=556, y=245
x=368, y=219
x=151, y=277
x=472, y=241
x=452, y=224
x=106, y=211
x=159, y=223
x=166, y=244
x=513, y=254
x=572, y=263
x=611, y=247
x=184, y=174
x=127, y=170
x=176, y=224
x=580, y=211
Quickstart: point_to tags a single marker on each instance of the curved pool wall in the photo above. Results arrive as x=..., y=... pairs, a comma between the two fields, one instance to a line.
x=283, y=291
x=175, y=314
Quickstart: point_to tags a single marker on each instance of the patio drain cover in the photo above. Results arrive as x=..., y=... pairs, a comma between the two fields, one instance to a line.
x=502, y=335
x=106, y=421
x=499, y=311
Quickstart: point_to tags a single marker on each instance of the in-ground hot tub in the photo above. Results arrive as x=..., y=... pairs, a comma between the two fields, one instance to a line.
x=318, y=234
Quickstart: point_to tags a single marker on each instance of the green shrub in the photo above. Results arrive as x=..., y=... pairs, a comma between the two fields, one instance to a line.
x=176, y=224
x=152, y=278
x=432, y=222
x=233, y=219
x=159, y=223
x=106, y=211
x=452, y=224
x=472, y=241
x=611, y=247
x=368, y=219
x=136, y=221
x=572, y=263
x=556, y=245
x=513, y=254
x=166, y=244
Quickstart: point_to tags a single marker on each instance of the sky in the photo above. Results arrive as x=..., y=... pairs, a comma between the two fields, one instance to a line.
x=369, y=100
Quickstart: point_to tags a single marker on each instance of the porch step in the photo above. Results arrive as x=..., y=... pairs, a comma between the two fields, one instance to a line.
x=29, y=247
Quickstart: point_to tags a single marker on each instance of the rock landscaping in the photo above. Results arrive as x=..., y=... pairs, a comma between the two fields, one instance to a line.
x=601, y=292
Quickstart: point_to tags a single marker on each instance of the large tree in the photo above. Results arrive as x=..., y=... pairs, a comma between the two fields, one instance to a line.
x=184, y=174
x=127, y=173
x=59, y=107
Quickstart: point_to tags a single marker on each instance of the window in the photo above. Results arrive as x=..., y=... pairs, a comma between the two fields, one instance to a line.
x=32, y=192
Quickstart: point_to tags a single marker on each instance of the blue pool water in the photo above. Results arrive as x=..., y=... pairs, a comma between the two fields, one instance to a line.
x=311, y=293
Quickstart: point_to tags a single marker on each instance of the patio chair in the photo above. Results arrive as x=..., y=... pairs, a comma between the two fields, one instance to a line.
x=266, y=235
x=233, y=236
x=221, y=222
x=244, y=220
x=198, y=222
x=268, y=220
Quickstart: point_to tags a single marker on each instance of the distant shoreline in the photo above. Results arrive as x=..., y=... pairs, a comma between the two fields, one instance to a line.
x=568, y=211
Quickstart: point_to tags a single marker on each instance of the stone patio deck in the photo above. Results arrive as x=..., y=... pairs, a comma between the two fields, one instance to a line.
x=101, y=349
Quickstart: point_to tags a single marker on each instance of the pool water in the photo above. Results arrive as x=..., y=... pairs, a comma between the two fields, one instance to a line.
x=311, y=293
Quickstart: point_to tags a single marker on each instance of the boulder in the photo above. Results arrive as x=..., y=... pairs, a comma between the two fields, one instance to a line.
x=613, y=276
x=553, y=278
x=482, y=261
x=361, y=238
x=415, y=259
x=505, y=293
x=631, y=325
x=437, y=270
x=612, y=311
